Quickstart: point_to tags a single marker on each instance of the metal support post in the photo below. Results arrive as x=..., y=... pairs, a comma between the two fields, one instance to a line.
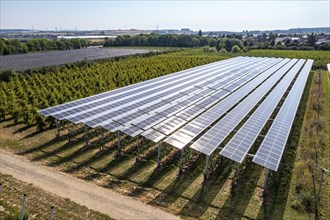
x=23, y=204
x=315, y=197
x=234, y=169
x=182, y=157
x=265, y=182
x=206, y=174
x=57, y=133
x=51, y=212
x=86, y=134
x=320, y=186
x=70, y=131
x=118, y=134
x=158, y=156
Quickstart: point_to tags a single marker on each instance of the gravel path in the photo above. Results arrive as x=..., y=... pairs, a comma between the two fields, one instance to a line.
x=113, y=204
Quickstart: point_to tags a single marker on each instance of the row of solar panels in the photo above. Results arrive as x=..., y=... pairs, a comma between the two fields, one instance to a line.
x=189, y=102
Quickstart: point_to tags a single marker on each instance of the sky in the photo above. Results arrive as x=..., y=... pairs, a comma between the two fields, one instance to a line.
x=170, y=14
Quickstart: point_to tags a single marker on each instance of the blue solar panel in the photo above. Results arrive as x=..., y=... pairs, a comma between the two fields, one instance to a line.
x=272, y=147
x=186, y=134
x=209, y=141
x=238, y=147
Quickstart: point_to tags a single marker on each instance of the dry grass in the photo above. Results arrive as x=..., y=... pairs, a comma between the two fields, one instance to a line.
x=39, y=202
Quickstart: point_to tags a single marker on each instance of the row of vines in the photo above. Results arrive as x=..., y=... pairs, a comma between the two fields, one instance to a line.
x=25, y=93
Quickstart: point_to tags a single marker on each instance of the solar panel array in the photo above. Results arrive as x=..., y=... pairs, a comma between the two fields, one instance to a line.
x=190, y=131
x=217, y=134
x=201, y=106
x=271, y=149
x=240, y=144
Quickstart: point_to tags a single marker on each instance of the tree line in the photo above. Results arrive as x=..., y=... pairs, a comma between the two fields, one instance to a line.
x=15, y=46
x=175, y=40
x=222, y=42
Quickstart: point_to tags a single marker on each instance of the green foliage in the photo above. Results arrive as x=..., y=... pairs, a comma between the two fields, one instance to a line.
x=235, y=49
x=229, y=43
x=311, y=40
x=161, y=40
x=208, y=49
x=223, y=51
x=6, y=75
x=39, y=44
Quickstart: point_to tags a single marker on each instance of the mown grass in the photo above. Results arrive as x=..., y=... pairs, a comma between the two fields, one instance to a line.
x=39, y=202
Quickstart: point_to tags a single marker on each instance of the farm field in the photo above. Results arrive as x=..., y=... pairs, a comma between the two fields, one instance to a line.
x=134, y=173
x=20, y=62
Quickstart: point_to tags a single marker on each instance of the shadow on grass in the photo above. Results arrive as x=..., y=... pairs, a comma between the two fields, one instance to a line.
x=31, y=134
x=13, y=124
x=100, y=155
x=239, y=198
x=116, y=161
x=43, y=146
x=7, y=119
x=207, y=192
x=56, y=151
x=70, y=158
x=157, y=175
x=136, y=168
x=177, y=187
x=22, y=129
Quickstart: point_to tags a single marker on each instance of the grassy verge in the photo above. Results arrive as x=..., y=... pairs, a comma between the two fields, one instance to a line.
x=300, y=204
x=38, y=203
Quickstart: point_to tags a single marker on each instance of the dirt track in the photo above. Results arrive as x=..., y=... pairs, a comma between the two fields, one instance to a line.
x=113, y=204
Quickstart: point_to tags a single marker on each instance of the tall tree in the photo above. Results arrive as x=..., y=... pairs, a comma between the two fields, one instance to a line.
x=311, y=40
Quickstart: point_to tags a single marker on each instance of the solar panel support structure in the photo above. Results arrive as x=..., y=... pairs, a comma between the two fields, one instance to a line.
x=235, y=164
x=158, y=156
x=51, y=213
x=118, y=143
x=206, y=173
x=23, y=206
x=86, y=134
x=57, y=132
x=181, y=160
x=70, y=131
x=264, y=193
